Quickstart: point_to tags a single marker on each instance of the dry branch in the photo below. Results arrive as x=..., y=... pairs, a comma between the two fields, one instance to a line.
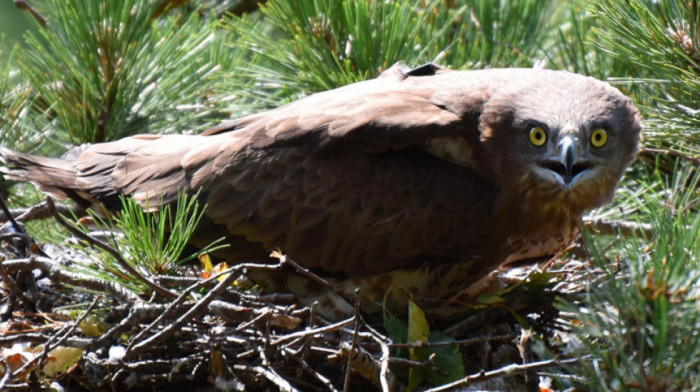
x=58, y=274
x=508, y=370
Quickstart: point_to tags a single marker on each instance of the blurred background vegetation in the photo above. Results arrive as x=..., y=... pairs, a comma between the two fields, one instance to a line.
x=13, y=23
x=100, y=70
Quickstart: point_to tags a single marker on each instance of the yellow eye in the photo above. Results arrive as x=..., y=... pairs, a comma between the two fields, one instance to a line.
x=538, y=136
x=599, y=137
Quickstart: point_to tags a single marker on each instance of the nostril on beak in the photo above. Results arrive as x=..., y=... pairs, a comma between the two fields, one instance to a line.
x=556, y=167
x=579, y=167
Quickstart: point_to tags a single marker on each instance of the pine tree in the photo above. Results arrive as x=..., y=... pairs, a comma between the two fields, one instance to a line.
x=99, y=70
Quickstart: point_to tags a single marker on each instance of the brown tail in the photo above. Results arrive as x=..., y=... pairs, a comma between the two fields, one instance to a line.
x=55, y=176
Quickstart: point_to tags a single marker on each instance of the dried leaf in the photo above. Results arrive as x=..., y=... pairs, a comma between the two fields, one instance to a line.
x=60, y=359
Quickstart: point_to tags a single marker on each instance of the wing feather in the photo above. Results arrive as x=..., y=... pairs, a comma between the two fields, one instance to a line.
x=339, y=180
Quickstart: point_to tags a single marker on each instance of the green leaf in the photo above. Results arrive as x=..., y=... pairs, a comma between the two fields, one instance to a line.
x=418, y=329
x=448, y=359
x=397, y=329
x=418, y=332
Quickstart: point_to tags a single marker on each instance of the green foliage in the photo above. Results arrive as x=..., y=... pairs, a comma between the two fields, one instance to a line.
x=499, y=33
x=416, y=330
x=106, y=70
x=319, y=45
x=157, y=240
x=152, y=243
x=18, y=127
x=660, y=42
x=575, y=48
x=639, y=325
x=13, y=23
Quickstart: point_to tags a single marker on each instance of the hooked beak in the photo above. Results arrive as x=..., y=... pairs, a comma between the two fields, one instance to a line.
x=568, y=164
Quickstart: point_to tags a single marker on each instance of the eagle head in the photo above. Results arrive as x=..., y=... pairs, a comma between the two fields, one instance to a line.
x=567, y=147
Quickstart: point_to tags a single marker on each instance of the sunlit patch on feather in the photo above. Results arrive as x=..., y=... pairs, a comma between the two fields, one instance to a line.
x=454, y=149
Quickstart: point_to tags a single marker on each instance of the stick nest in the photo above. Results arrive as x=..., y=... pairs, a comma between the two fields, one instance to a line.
x=210, y=334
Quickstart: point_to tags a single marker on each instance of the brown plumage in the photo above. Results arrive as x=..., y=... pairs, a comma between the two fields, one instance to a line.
x=423, y=167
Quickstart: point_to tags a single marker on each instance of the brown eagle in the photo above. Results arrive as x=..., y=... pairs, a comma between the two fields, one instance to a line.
x=421, y=169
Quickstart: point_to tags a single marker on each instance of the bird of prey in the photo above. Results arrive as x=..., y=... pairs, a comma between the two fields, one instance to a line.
x=421, y=169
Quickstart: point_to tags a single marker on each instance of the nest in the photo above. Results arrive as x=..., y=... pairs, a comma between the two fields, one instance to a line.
x=203, y=334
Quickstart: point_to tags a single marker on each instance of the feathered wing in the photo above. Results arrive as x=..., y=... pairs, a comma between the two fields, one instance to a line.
x=339, y=180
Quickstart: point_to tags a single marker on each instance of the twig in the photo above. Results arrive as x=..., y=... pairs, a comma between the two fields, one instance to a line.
x=138, y=311
x=10, y=236
x=40, y=211
x=8, y=216
x=51, y=345
x=176, y=281
x=353, y=341
x=237, y=313
x=21, y=387
x=366, y=365
x=7, y=372
x=557, y=256
x=525, y=349
x=573, y=377
x=25, y=6
x=508, y=370
x=10, y=283
x=284, y=259
x=626, y=228
x=266, y=341
x=35, y=337
x=58, y=274
x=675, y=154
x=262, y=299
x=313, y=331
x=264, y=314
x=166, y=364
x=384, y=368
x=376, y=334
x=461, y=342
x=172, y=309
x=324, y=350
x=175, y=306
x=194, y=310
x=117, y=256
x=428, y=364
x=269, y=374
x=305, y=350
x=305, y=367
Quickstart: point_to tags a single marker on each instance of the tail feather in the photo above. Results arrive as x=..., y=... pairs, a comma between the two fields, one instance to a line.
x=147, y=167
x=55, y=176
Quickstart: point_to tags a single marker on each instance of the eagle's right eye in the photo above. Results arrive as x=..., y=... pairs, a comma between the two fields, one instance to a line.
x=599, y=137
x=538, y=136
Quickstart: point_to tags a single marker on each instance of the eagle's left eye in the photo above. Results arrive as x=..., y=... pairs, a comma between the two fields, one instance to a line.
x=538, y=136
x=599, y=137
